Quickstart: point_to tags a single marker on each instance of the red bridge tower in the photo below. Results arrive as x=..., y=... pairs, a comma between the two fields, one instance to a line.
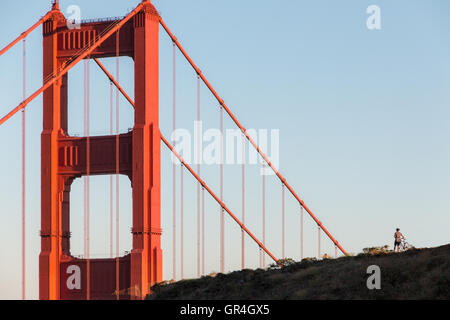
x=62, y=276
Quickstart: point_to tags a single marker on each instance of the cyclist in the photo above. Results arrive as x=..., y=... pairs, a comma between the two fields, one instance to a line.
x=398, y=236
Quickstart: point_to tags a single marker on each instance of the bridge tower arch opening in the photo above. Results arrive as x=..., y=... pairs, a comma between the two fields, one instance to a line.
x=102, y=235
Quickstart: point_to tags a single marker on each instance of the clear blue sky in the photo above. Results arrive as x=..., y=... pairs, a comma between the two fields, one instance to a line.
x=363, y=116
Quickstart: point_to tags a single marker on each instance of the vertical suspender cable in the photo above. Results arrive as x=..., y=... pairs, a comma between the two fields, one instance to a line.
x=174, y=176
x=88, y=172
x=111, y=179
x=283, y=223
x=262, y=231
x=23, y=174
x=200, y=158
x=222, y=213
x=335, y=251
x=117, y=170
x=198, y=172
x=243, y=203
x=260, y=258
x=203, y=230
x=301, y=233
x=181, y=221
x=263, y=212
x=85, y=177
x=318, y=238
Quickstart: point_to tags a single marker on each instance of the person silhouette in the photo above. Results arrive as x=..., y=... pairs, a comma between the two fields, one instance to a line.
x=398, y=236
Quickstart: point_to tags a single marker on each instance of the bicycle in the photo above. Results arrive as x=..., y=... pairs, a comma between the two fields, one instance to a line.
x=405, y=246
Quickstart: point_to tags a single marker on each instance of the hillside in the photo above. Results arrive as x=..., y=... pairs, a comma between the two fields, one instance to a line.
x=415, y=274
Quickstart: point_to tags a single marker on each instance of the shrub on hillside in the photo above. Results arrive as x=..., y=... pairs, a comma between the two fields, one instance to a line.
x=376, y=250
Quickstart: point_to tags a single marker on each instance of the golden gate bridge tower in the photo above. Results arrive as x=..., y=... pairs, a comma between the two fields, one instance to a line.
x=64, y=159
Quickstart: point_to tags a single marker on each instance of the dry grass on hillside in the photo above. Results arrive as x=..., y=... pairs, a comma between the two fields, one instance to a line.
x=415, y=274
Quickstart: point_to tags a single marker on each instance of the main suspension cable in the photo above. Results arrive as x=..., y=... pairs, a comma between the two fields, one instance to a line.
x=73, y=62
x=111, y=78
x=244, y=131
x=24, y=34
